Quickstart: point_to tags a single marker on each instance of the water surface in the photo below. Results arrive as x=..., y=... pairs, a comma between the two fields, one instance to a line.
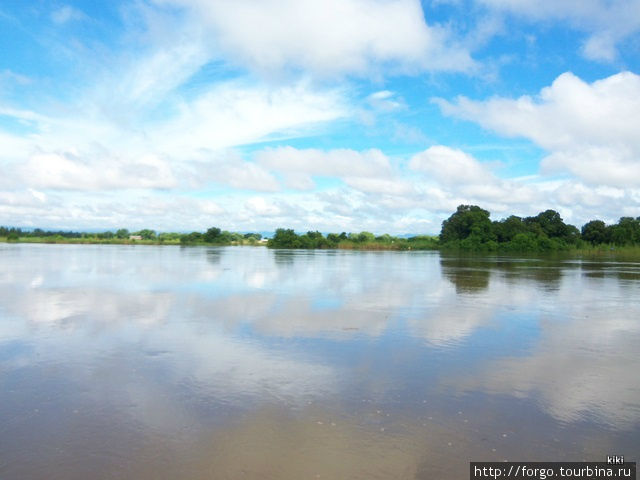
x=166, y=362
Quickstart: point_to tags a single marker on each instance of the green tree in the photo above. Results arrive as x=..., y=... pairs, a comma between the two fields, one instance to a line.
x=284, y=238
x=466, y=221
x=105, y=235
x=146, y=234
x=631, y=228
x=550, y=223
x=212, y=235
x=333, y=239
x=226, y=237
x=168, y=236
x=523, y=242
x=122, y=233
x=594, y=232
x=625, y=232
x=362, y=237
x=190, y=238
x=505, y=230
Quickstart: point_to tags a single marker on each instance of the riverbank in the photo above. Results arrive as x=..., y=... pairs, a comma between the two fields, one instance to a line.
x=629, y=252
x=122, y=241
x=396, y=244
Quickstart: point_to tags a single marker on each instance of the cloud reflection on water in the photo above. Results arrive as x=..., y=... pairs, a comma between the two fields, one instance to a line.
x=217, y=312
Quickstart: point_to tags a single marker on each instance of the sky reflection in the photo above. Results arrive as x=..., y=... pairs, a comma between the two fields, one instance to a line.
x=170, y=338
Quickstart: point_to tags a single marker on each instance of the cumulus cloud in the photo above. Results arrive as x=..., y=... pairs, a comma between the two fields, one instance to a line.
x=73, y=210
x=386, y=197
x=261, y=206
x=380, y=185
x=247, y=175
x=589, y=129
x=68, y=172
x=159, y=120
x=330, y=37
x=374, y=192
x=298, y=166
x=95, y=152
x=451, y=166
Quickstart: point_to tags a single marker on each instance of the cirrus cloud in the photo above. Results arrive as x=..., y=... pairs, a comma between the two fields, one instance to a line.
x=606, y=23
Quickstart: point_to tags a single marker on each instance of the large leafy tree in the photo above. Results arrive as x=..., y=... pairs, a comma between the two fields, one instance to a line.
x=625, y=232
x=122, y=233
x=505, y=230
x=284, y=238
x=550, y=223
x=147, y=234
x=212, y=235
x=594, y=232
x=467, y=220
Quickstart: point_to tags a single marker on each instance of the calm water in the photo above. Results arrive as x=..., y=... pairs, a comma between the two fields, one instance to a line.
x=226, y=363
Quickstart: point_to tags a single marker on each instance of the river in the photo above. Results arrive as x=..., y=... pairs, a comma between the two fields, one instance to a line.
x=154, y=362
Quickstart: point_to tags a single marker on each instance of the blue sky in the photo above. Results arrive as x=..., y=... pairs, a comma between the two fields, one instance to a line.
x=378, y=115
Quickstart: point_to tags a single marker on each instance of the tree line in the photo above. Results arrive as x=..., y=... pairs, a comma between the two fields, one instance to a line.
x=287, y=238
x=213, y=236
x=470, y=228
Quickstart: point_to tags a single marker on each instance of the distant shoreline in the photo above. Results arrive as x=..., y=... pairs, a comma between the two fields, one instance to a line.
x=468, y=230
x=631, y=252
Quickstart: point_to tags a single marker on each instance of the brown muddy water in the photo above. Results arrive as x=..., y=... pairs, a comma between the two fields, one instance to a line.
x=145, y=362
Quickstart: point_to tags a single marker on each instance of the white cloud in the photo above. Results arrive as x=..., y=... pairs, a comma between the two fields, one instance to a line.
x=136, y=209
x=66, y=14
x=336, y=162
x=387, y=198
x=298, y=166
x=380, y=185
x=261, y=206
x=91, y=151
x=450, y=166
x=298, y=181
x=67, y=172
x=26, y=199
x=329, y=37
x=385, y=101
x=8, y=78
x=22, y=115
x=589, y=130
x=606, y=22
x=373, y=192
x=232, y=114
x=251, y=177
x=600, y=47
x=231, y=169
x=147, y=79
x=404, y=133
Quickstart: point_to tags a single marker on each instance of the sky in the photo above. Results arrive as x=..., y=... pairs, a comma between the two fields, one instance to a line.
x=330, y=115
